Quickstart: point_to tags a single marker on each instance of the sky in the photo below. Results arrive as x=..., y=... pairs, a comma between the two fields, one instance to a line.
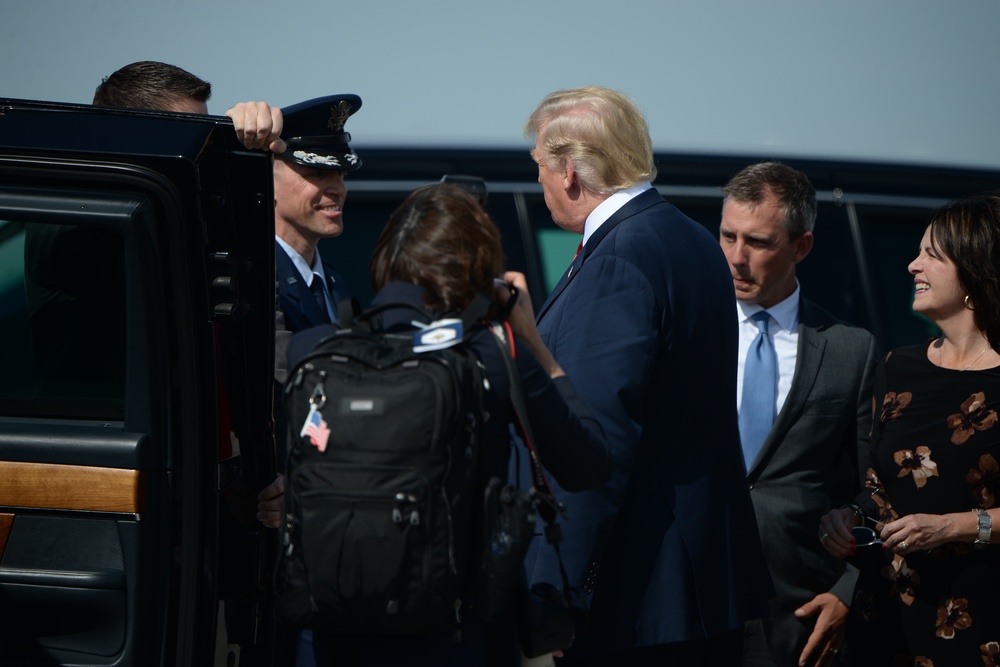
x=889, y=80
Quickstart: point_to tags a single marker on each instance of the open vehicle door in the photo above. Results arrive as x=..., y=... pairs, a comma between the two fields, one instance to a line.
x=136, y=323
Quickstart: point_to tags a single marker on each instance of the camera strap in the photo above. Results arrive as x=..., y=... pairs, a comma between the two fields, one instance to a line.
x=546, y=503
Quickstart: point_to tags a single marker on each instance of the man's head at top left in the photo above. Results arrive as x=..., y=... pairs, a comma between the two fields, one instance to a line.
x=153, y=85
x=309, y=188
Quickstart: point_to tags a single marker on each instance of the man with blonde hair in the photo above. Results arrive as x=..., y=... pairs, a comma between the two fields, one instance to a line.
x=642, y=323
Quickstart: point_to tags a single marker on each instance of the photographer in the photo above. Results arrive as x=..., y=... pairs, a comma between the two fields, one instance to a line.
x=438, y=252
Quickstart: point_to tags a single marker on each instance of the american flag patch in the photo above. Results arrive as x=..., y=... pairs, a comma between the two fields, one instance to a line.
x=315, y=429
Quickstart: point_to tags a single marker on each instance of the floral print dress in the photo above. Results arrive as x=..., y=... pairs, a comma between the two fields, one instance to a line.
x=935, y=450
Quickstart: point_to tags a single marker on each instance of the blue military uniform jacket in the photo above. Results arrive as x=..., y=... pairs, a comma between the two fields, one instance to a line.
x=296, y=299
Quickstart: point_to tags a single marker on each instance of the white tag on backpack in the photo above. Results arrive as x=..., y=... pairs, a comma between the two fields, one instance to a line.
x=438, y=335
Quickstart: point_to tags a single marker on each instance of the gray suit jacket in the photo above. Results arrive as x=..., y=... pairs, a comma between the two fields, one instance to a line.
x=813, y=460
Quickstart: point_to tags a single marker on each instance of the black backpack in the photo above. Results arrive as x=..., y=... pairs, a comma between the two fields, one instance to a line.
x=382, y=479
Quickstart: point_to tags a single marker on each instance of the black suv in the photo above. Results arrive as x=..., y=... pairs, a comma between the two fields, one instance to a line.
x=136, y=315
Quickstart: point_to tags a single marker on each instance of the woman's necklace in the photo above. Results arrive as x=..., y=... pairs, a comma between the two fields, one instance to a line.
x=973, y=361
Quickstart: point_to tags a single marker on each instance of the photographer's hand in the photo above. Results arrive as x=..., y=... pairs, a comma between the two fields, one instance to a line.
x=522, y=321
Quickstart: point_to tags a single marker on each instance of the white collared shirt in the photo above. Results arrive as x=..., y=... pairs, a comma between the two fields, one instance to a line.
x=608, y=207
x=307, y=273
x=784, y=332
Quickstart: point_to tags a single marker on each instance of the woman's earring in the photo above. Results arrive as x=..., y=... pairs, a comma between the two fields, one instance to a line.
x=967, y=304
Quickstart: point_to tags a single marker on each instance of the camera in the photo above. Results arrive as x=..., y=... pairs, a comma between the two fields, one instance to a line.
x=474, y=185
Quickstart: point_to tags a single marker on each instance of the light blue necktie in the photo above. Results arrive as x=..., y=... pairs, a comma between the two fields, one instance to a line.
x=759, y=381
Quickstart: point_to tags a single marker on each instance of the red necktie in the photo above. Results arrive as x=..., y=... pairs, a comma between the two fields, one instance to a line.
x=578, y=249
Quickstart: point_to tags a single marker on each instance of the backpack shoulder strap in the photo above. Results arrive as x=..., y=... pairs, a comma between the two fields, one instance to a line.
x=475, y=312
x=347, y=310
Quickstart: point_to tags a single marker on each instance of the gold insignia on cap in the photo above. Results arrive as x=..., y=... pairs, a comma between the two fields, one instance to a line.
x=338, y=116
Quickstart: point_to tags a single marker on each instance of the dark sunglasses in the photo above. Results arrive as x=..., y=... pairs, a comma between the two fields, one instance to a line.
x=865, y=536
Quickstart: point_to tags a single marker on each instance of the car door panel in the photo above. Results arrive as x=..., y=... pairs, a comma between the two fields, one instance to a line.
x=136, y=377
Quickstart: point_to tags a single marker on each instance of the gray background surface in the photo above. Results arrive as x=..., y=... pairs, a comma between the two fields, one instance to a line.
x=903, y=81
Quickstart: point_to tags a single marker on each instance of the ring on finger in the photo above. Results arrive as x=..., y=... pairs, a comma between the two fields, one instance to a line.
x=824, y=537
x=903, y=546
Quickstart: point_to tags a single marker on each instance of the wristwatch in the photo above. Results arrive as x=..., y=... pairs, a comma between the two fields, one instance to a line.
x=985, y=528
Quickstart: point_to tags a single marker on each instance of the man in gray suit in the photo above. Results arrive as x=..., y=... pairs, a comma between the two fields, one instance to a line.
x=804, y=396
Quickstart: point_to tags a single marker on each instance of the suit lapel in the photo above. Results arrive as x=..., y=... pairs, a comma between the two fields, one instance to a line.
x=635, y=205
x=809, y=356
x=571, y=272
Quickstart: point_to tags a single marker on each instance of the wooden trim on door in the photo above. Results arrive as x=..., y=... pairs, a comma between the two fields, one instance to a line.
x=67, y=487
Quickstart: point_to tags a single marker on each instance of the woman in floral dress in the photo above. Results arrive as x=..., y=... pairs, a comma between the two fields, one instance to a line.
x=929, y=594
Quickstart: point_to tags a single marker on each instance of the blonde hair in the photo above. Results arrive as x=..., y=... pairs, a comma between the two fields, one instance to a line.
x=600, y=131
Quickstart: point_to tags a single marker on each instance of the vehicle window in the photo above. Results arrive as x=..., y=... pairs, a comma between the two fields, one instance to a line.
x=368, y=210
x=556, y=246
x=62, y=320
x=830, y=275
x=873, y=291
x=365, y=214
x=17, y=366
x=892, y=236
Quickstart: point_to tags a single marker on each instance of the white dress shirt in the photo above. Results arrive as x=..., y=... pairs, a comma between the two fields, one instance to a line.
x=608, y=207
x=784, y=332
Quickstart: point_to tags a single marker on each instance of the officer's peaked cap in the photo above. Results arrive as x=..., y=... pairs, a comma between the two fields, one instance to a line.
x=315, y=135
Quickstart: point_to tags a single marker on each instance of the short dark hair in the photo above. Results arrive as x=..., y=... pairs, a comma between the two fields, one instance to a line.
x=968, y=232
x=795, y=193
x=150, y=85
x=442, y=239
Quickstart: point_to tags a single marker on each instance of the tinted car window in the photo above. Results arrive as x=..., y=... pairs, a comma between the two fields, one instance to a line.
x=17, y=367
x=62, y=300
x=369, y=206
x=891, y=236
x=365, y=213
x=856, y=269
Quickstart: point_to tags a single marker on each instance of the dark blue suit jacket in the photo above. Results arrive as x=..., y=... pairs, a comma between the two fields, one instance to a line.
x=643, y=325
x=295, y=298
